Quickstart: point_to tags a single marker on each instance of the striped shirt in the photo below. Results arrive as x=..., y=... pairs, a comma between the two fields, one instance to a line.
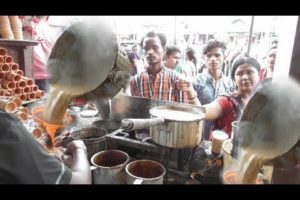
x=161, y=86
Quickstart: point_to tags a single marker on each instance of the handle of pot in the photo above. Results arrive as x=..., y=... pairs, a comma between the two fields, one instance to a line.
x=94, y=172
x=137, y=124
x=138, y=181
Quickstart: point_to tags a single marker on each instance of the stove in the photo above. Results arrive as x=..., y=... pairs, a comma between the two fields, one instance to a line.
x=139, y=145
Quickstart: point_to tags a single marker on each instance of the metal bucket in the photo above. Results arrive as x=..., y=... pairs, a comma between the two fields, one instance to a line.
x=94, y=139
x=109, y=167
x=145, y=172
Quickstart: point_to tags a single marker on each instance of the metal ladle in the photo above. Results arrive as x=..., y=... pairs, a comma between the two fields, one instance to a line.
x=270, y=124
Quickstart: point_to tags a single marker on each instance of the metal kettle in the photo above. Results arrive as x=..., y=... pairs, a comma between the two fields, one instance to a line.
x=86, y=60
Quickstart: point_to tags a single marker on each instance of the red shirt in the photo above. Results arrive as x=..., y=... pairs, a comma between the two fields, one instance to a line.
x=231, y=109
x=263, y=74
x=46, y=36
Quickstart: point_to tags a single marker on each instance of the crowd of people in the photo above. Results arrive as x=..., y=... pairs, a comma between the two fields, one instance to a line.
x=223, y=87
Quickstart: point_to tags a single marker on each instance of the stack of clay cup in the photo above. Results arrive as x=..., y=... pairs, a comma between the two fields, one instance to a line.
x=14, y=105
x=13, y=82
x=11, y=27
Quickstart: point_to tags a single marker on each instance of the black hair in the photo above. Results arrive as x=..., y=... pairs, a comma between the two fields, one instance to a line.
x=249, y=60
x=161, y=36
x=214, y=44
x=190, y=52
x=272, y=47
x=274, y=42
x=172, y=49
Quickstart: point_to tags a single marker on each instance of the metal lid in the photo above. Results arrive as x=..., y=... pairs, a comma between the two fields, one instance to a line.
x=177, y=113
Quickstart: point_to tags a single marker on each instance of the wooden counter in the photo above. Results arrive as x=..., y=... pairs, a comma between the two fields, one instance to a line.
x=21, y=51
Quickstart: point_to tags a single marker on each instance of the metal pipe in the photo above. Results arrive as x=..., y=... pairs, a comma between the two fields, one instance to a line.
x=175, y=30
x=250, y=35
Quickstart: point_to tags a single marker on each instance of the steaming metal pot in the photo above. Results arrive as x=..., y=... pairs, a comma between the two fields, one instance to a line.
x=169, y=127
x=87, y=60
x=270, y=126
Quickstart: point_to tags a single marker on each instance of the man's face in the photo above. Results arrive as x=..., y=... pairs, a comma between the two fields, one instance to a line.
x=153, y=50
x=214, y=59
x=272, y=58
x=135, y=48
x=172, y=60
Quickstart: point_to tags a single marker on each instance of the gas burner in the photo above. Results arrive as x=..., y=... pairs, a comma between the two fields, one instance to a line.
x=133, y=140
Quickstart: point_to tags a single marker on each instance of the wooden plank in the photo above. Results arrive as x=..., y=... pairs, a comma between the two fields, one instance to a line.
x=18, y=42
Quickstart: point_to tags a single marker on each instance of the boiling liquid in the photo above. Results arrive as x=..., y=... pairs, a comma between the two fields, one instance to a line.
x=57, y=104
x=248, y=168
x=176, y=114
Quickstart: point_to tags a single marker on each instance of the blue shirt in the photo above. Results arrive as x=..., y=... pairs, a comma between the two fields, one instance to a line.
x=207, y=92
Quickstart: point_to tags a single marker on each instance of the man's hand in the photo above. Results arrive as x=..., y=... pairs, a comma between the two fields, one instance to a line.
x=63, y=140
x=74, y=145
x=184, y=85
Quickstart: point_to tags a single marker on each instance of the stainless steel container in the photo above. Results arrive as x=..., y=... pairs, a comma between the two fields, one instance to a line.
x=169, y=127
x=108, y=167
x=145, y=172
x=94, y=139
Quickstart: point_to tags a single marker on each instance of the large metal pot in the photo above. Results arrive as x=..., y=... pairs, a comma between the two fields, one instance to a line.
x=171, y=126
x=269, y=126
x=93, y=137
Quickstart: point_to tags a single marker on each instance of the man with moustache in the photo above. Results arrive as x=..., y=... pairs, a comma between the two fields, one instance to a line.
x=156, y=82
x=172, y=57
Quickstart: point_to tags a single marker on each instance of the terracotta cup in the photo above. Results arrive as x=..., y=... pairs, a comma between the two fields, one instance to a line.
x=7, y=105
x=229, y=177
